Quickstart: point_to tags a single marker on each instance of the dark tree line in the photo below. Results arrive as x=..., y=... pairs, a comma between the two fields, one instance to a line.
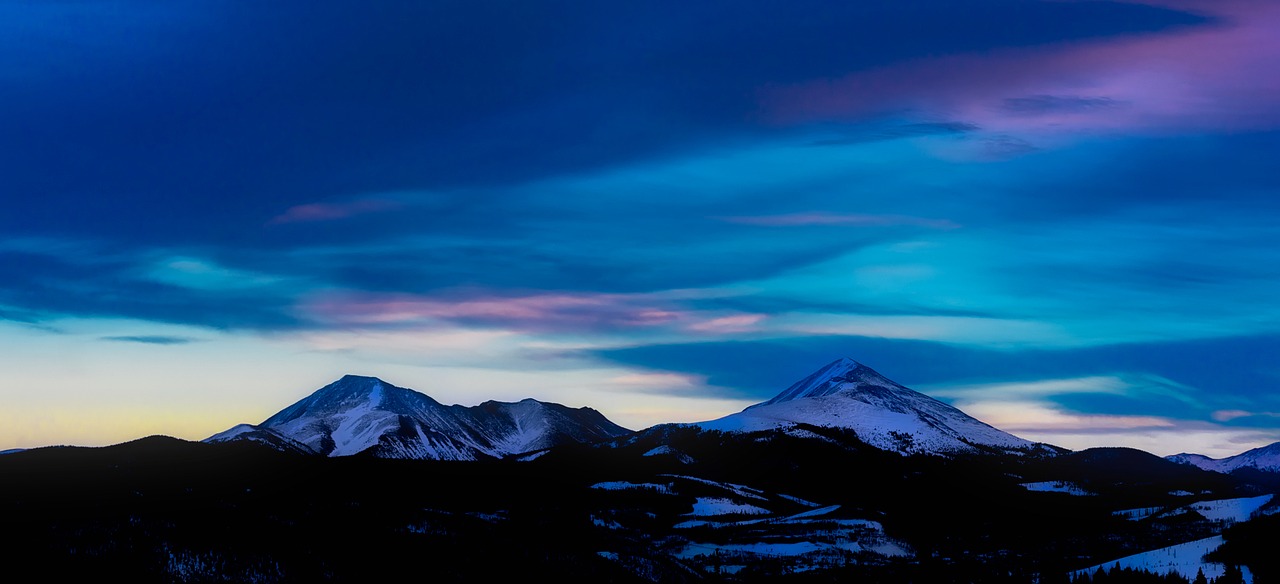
x=1233, y=575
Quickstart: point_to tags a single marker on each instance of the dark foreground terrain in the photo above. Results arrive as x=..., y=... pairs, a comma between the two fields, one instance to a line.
x=669, y=505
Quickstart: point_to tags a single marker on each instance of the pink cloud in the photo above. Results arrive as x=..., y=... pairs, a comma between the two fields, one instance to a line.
x=728, y=324
x=554, y=311
x=821, y=218
x=1228, y=415
x=538, y=312
x=1217, y=77
x=332, y=211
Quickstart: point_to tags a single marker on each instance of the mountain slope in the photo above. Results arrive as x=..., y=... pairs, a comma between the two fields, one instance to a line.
x=264, y=436
x=356, y=415
x=1265, y=458
x=884, y=414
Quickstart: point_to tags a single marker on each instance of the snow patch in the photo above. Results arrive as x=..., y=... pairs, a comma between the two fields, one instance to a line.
x=799, y=500
x=1067, y=487
x=739, y=490
x=1230, y=510
x=623, y=486
x=1137, y=514
x=605, y=523
x=532, y=456
x=815, y=512
x=1185, y=559
x=713, y=506
x=667, y=450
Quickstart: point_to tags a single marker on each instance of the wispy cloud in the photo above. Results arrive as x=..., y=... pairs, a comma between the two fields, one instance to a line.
x=151, y=339
x=1050, y=104
x=991, y=332
x=312, y=212
x=1206, y=78
x=1033, y=410
x=1230, y=415
x=1035, y=416
x=729, y=324
x=1038, y=410
x=1178, y=436
x=544, y=311
x=848, y=219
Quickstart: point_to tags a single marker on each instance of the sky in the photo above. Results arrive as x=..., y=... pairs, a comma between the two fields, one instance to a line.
x=1059, y=216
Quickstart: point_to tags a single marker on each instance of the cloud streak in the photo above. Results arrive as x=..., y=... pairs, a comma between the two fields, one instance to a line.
x=537, y=312
x=1209, y=78
x=150, y=339
x=847, y=219
x=313, y=212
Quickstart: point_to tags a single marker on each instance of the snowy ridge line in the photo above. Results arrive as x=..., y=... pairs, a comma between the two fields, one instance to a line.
x=740, y=490
x=815, y=512
x=1265, y=458
x=799, y=500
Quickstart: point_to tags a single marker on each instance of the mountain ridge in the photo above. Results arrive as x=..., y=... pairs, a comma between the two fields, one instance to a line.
x=1264, y=458
x=368, y=416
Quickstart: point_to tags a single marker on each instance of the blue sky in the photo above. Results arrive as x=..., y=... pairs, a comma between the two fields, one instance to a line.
x=1056, y=215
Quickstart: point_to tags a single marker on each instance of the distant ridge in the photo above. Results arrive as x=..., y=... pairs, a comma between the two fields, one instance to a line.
x=1264, y=458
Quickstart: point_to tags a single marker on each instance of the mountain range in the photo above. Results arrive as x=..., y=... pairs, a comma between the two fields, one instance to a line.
x=359, y=415
x=368, y=416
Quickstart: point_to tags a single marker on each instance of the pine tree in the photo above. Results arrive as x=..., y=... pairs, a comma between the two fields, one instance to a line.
x=1233, y=576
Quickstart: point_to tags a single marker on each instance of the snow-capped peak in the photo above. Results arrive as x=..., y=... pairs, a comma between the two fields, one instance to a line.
x=358, y=414
x=883, y=413
x=841, y=375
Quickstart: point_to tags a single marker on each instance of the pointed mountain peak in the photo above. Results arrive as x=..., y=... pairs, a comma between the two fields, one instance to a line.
x=349, y=392
x=843, y=374
x=357, y=414
x=883, y=414
x=845, y=362
x=350, y=379
x=354, y=385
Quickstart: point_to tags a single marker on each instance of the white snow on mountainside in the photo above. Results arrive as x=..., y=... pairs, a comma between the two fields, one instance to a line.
x=884, y=414
x=1265, y=458
x=367, y=415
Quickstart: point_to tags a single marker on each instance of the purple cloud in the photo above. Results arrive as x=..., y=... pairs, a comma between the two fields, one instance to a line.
x=332, y=211
x=1209, y=78
x=551, y=311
